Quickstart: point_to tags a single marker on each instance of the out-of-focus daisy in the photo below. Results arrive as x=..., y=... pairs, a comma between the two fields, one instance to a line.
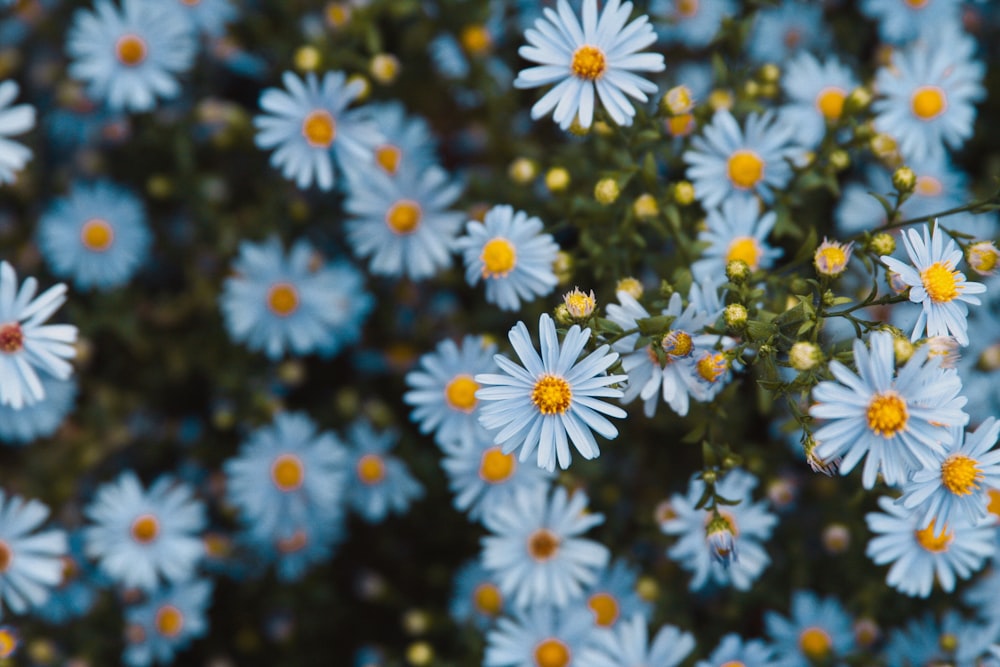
x=553, y=399
x=816, y=93
x=693, y=23
x=287, y=475
x=293, y=303
x=936, y=284
x=926, y=97
x=401, y=222
x=20, y=426
x=743, y=530
x=898, y=419
x=511, y=255
x=476, y=596
x=734, y=651
x=14, y=120
x=30, y=561
x=536, y=552
x=539, y=636
x=128, y=56
x=951, y=641
x=377, y=482
x=406, y=140
x=738, y=230
x=983, y=258
x=310, y=128
x=779, y=33
x=443, y=389
x=166, y=623
x=629, y=646
x=958, y=486
x=816, y=631
x=613, y=597
x=595, y=59
x=293, y=552
x=725, y=161
x=902, y=21
x=918, y=556
x=96, y=236
x=209, y=17
x=481, y=476
x=141, y=537
x=78, y=586
x=28, y=346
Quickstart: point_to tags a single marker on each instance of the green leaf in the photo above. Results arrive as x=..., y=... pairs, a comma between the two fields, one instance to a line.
x=652, y=326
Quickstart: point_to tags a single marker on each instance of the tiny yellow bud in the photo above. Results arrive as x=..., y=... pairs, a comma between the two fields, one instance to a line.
x=883, y=244
x=836, y=538
x=804, y=355
x=904, y=180
x=419, y=654
x=630, y=286
x=735, y=316
x=737, y=271
x=840, y=159
x=337, y=14
x=562, y=266
x=720, y=99
x=684, y=193
x=857, y=100
x=769, y=73
x=645, y=207
x=903, y=350
x=647, y=588
x=307, y=58
x=751, y=88
x=557, y=179
x=678, y=100
x=580, y=304
x=384, y=68
x=606, y=191
x=522, y=170
x=982, y=257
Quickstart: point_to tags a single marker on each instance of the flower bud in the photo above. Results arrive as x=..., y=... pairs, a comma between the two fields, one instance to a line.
x=684, y=193
x=903, y=350
x=522, y=170
x=677, y=101
x=883, y=244
x=384, y=68
x=804, y=355
x=580, y=304
x=840, y=159
x=831, y=258
x=982, y=257
x=606, y=191
x=737, y=271
x=736, y=316
x=557, y=179
x=857, y=100
x=904, y=180
x=769, y=73
x=307, y=58
x=836, y=538
x=721, y=541
x=645, y=207
x=630, y=286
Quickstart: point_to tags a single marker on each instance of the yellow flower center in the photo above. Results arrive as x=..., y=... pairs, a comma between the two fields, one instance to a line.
x=131, y=50
x=488, y=599
x=8, y=642
x=588, y=62
x=11, y=338
x=994, y=506
x=687, y=8
x=6, y=556
x=830, y=260
x=983, y=257
x=169, y=621
x=552, y=653
x=815, y=643
x=319, y=128
x=283, y=299
x=145, y=528
x=733, y=663
x=745, y=169
x=830, y=102
x=928, y=102
x=499, y=258
x=404, y=217
x=887, y=414
x=388, y=158
x=934, y=543
x=97, y=235
x=371, y=469
x=542, y=544
x=916, y=4
x=745, y=248
x=680, y=126
x=461, y=393
x=677, y=344
x=476, y=39
x=495, y=466
x=605, y=609
x=287, y=472
x=960, y=475
x=551, y=395
x=712, y=366
x=928, y=186
x=940, y=282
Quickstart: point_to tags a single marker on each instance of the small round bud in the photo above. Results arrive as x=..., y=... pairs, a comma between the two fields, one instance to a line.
x=579, y=304
x=781, y=492
x=948, y=642
x=602, y=128
x=476, y=39
x=159, y=186
x=337, y=14
x=720, y=99
x=804, y=355
x=709, y=476
x=678, y=100
x=522, y=170
x=840, y=159
x=557, y=179
x=751, y=88
x=769, y=73
x=836, y=538
x=562, y=266
x=647, y=588
x=883, y=244
x=896, y=282
x=307, y=58
x=904, y=180
x=577, y=129
x=989, y=360
x=606, y=191
x=982, y=257
x=630, y=286
x=831, y=258
x=736, y=316
x=885, y=147
x=645, y=207
x=769, y=90
x=419, y=654
x=857, y=100
x=738, y=271
x=684, y=193
x=416, y=622
x=384, y=68
x=903, y=350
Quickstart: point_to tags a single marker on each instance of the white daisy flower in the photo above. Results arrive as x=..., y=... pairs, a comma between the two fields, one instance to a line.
x=13, y=120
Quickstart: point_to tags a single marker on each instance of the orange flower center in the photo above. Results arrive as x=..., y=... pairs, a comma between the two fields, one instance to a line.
x=746, y=169
x=745, y=248
x=499, y=258
x=960, y=475
x=319, y=128
x=552, y=653
x=371, y=469
x=940, y=282
x=388, y=158
x=928, y=102
x=287, y=472
x=97, y=235
x=687, y=8
x=11, y=338
x=887, y=414
x=169, y=621
x=542, y=544
x=476, y=39
x=934, y=543
x=283, y=299
x=6, y=556
x=488, y=599
x=495, y=466
x=461, y=393
x=404, y=217
x=830, y=102
x=145, y=528
x=131, y=50
x=551, y=395
x=815, y=643
x=588, y=62
x=605, y=609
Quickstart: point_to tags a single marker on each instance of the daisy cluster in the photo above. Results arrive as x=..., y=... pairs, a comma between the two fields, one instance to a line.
x=562, y=333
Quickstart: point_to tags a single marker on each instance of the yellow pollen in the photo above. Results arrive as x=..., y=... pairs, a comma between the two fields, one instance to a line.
x=294, y=542
x=605, y=609
x=287, y=472
x=928, y=102
x=542, y=544
x=6, y=556
x=169, y=621
x=499, y=258
x=488, y=599
x=319, y=128
x=887, y=414
x=588, y=62
x=960, y=475
x=931, y=542
x=745, y=248
x=131, y=50
x=476, y=39
x=815, y=643
x=551, y=395
x=145, y=528
x=388, y=158
x=687, y=8
x=745, y=169
x=677, y=344
x=461, y=393
x=404, y=216
x=11, y=338
x=371, y=469
x=680, y=126
x=97, y=235
x=712, y=366
x=830, y=102
x=928, y=186
x=940, y=282
x=8, y=642
x=283, y=299
x=552, y=653
x=495, y=466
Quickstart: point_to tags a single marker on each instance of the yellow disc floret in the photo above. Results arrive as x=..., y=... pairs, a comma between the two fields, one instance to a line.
x=960, y=475
x=934, y=543
x=461, y=393
x=542, y=544
x=746, y=169
x=388, y=158
x=830, y=103
x=551, y=395
x=403, y=217
x=552, y=653
x=495, y=466
x=145, y=528
x=287, y=472
x=169, y=620
x=487, y=599
x=928, y=102
x=887, y=414
x=815, y=643
x=283, y=299
x=940, y=281
x=97, y=235
x=131, y=50
x=605, y=608
x=499, y=258
x=588, y=63
x=744, y=248
x=319, y=128
x=371, y=469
